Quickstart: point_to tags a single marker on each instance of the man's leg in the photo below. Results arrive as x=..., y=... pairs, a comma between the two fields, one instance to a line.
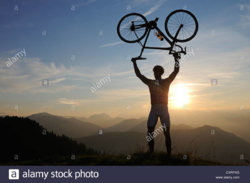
x=151, y=142
x=165, y=121
x=152, y=120
x=168, y=141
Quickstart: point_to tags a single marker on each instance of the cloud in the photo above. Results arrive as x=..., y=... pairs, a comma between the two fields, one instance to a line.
x=244, y=15
x=111, y=44
x=154, y=8
x=244, y=7
x=195, y=84
x=27, y=75
x=123, y=73
x=224, y=75
x=141, y=1
x=113, y=95
x=55, y=81
x=68, y=101
x=84, y=3
x=245, y=20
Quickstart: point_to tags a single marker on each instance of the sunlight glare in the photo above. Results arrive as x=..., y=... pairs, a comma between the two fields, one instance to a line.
x=180, y=96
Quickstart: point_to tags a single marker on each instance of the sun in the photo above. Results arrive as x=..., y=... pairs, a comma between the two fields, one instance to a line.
x=180, y=96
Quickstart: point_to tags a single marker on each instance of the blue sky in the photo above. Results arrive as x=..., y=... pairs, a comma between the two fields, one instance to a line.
x=74, y=44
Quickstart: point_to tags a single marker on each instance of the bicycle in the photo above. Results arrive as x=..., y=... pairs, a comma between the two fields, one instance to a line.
x=180, y=25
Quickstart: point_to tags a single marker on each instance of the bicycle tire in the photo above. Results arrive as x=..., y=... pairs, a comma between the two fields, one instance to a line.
x=187, y=26
x=135, y=37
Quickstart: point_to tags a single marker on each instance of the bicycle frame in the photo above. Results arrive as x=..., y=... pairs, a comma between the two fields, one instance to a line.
x=153, y=25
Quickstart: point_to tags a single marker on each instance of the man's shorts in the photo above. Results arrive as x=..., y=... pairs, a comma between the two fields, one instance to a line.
x=159, y=110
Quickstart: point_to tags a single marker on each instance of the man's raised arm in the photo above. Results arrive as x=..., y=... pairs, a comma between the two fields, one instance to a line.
x=138, y=73
x=176, y=67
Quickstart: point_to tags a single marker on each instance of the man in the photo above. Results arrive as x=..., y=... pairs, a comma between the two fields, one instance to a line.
x=159, y=100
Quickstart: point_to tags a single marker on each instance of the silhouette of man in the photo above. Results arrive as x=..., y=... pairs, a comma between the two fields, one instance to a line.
x=159, y=100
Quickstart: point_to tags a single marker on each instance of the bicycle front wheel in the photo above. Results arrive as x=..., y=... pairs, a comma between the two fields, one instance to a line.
x=132, y=27
x=182, y=18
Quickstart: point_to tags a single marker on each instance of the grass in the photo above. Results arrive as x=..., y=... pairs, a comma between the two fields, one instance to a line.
x=138, y=158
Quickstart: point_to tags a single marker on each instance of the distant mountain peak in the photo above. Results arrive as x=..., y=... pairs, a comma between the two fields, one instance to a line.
x=42, y=114
x=100, y=115
x=71, y=127
x=208, y=127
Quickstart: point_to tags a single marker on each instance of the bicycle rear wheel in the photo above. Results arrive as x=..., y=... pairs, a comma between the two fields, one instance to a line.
x=132, y=27
x=181, y=17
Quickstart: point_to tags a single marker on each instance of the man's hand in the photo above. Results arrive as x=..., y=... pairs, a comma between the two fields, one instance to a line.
x=137, y=58
x=133, y=60
x=137, y=71
x=177, y=56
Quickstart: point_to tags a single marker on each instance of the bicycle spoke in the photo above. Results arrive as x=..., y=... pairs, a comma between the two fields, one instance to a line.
x=184, y=30
x=132, y=27
x=187, y=20
x=182, y=19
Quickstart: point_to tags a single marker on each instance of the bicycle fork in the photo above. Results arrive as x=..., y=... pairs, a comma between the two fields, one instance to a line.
x=174, y=41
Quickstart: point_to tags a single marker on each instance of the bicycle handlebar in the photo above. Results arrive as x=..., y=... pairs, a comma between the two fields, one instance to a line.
x=182, y=50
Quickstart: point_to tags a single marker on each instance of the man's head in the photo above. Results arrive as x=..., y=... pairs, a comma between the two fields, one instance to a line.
x=158, y=71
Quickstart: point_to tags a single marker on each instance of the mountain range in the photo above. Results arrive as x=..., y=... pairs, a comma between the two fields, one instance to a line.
x=129, y=135
x=207, y=142
x=71, y=127
x=103, y=120
x=25, y=142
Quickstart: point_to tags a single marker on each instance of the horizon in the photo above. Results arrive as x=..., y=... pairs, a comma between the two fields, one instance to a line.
x=55, y=61
x=243, y=110
x=212, y=122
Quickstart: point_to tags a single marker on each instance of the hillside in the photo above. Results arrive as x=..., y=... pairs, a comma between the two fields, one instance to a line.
x=212, y=143
x=141, y=158
x=124, y=125
x=235, y=121
x=141, y=127
x=23, y=139
x=68, y=126
x=116, y=142
x=221, y=146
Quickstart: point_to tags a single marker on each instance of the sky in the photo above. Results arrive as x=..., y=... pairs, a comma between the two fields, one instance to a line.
x=67, y=59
